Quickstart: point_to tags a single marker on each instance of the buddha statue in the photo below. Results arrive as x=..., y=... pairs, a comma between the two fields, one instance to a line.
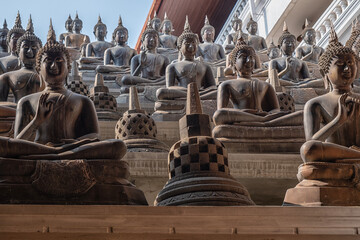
x=237, y=33
x=68, y=27
x=148, y=67
x=309, y=52
x=3, y=45
x=331, y=154
x=76, y=39
x=117, y=59
x=187, y=70
x=24, y=81
x=167, y=40
x=210, y=51
x=11, y=62
x=255, y=106
x=257, y=42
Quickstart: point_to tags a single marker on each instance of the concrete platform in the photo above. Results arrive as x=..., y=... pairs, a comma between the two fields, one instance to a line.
x=160, y=223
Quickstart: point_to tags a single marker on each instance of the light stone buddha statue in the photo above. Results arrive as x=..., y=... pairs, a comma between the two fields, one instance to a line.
x=3, y=45
x=210, y=51
x=68, y=27
x=309, y=52
x=11, y=62
x=24, y=81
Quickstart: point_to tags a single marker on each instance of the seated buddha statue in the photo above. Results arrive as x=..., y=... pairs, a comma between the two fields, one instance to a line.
x=63, y=124
x=11, y=62
x=68, y=27
x=148, y=67
x=3, y=45
x=167, y=40
x=24, y=81
x=331, y=154
x=309, y=52
x=256, y=41
x=118, y=58
x=231, y=39
x=187, y=70
x=273, y=52
x=210, y=51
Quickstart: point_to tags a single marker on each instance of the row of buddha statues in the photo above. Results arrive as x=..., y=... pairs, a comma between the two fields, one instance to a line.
x=55, y=155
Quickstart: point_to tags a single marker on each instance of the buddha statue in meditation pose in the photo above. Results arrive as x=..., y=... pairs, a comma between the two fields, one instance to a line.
x=63, y=124
x=167, y=40
x=309, y=52
x=148, y=67
x=3, y=45
x=24, y=81
x=188, y=70
x=231, y=39
x=257, y=42
x=210, y=51
x=98, y=47
x=118, y=58
x=11, y=62
x=76, y=39
x=68, y=27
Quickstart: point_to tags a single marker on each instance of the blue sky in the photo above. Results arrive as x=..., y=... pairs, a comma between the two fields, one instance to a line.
x=133, y=13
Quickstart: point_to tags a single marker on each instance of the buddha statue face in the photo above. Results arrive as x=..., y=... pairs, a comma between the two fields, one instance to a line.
x=53, y=67
x=167, y=27
x=76, y=26
x=28, y=51
x=342, y=71
x=189, y=47
x=68, y=25
x=274, y=53
x=121, y=36
x=252, y=29
x=13, y=40
x=288, y=45
x=151, y=41
x=3, y=35
x=237, y=25
x=245, y=62
x=100, y=32
x=310, y=36
x=156, y=22
x=208, y=35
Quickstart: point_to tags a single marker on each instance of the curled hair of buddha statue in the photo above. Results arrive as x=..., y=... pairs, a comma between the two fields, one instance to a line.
x=251, y=21
x=149, y=29
x=305, y=29
x=52, y=46
x=119, y=27
x=29, y=36
x=334, y=49
x=354, y=40
x=271, y=46
x=240, y=46
x=286, y=34
x=166, y=19
x=99, y=23
x=186, y=34
x=206, y=26
x=16, y=29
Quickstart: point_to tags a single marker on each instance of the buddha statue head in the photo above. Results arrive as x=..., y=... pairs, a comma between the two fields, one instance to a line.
x=166, y=25
x=68, y=24
x=273, y=51
x=77, y=24
x=3, y=33
x=150, y=37
x=236, y=23
x=53, y=61
x=338, y=64
x=188, y=41
x=100, y=30
x=287, y=41
x=242, y=58
x=207, y=31
x=28, y=46
x=156, y=22
x=14, y=34
x=252, y=26
x=120, y=34
x=308, y=34
x=354, y=40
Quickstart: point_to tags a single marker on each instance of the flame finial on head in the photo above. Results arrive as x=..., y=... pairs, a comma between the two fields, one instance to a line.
x=51, y=37
x=30, y=26
x=120, y=23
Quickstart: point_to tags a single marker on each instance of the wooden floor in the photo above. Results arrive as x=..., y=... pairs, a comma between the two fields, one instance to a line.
x=133, y=222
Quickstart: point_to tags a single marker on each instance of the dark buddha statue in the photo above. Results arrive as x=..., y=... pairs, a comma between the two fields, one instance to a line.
x=24, y=81
x=3, y=45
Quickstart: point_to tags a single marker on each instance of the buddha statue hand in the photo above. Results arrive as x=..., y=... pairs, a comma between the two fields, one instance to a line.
x=346, y=109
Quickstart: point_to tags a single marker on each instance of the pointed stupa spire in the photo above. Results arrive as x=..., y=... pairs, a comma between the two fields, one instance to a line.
x=120, y=23
x=207, y=20
x=99, y=19
x=166, y=17
x=187, y=25
x=193, y=104
x=30, y=26
x=155, y=15
x=77, y=15
x=99, y=80
x=5, y=24
x=51, y=37
x=18, y=21
x=74, y=69
x=134, y=99
x=306, y=23
x=285, y=27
